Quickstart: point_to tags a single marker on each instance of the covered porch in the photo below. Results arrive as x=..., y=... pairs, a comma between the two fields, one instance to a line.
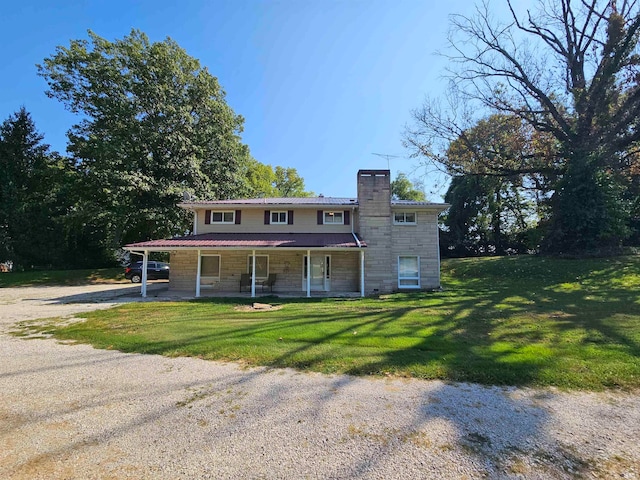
x=266, y=296
x=284, y=265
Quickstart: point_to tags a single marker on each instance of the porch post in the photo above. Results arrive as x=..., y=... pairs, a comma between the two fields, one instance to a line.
x=253, y=274
x=198, y=274
x=145, y=263
x=308, y=273
x=362, y=273
x=438, y=249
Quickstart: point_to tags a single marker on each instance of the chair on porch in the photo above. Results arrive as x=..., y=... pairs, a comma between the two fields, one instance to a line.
x=245, y=281
x=269, y=282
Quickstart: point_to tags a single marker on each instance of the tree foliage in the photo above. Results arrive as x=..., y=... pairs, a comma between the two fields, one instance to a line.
x=566, y=75
x=265, y=181
x=154, y=124
x=488, y=215
x=37, y=192
x=23, y=157
x=402, y=188
x=289, y=183
x=495, y=210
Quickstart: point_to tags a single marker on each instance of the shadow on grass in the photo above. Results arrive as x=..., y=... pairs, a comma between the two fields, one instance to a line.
x=512, y=325
x=508, y=321
x=571, y=308
x=62, y=277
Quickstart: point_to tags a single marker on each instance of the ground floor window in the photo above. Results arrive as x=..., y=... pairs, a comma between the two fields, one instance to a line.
x=408, y=271
x=262, y=266
x=210, y=266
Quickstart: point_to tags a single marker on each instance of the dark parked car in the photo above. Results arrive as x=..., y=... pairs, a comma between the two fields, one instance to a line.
x=155, y=271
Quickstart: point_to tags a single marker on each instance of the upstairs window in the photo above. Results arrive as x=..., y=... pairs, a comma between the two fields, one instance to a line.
x=334, y=218
x=221, y=216
x=279, y=218
x=404, y=218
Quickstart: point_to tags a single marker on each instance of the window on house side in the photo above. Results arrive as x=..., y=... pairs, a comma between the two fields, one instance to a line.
x=223, y=217
x=279, y=218
x=262, y=266
x=408, y=272
x=335, y=218
x=404, y=218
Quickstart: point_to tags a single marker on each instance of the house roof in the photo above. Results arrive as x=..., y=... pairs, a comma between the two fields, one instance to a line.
x=413, y=203
x=254, y=240
x=302, y=202
x=274, y=201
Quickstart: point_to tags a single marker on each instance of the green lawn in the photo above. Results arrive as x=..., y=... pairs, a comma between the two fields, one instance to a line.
x=500, y=321
x=62, y=277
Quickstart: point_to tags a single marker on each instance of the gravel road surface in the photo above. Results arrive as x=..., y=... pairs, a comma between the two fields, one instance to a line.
x=73, y=412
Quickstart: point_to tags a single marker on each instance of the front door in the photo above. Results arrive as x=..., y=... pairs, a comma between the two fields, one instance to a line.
x=320, y=273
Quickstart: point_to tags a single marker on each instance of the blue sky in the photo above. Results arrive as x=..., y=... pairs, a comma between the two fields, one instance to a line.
x=321, y=84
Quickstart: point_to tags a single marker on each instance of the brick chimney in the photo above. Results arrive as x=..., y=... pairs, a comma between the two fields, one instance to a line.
x=374, y=193
x=374, y=222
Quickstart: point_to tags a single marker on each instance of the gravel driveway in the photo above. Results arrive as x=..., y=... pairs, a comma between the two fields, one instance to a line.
x=76, y=412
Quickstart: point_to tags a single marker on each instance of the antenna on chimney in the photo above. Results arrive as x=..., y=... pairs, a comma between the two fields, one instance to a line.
x=388, y=157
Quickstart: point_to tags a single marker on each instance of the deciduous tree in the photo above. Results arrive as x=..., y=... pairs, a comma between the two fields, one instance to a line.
x=402, y=188
x=289, y=183
x=569, y=71
x=489, y=215
x=154, y=123
x=264, y=181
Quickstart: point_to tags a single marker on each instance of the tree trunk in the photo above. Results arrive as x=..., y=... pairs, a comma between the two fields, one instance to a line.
x=495, y=222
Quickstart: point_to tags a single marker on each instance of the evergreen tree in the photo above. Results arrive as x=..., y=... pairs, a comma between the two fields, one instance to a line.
x=33, y=196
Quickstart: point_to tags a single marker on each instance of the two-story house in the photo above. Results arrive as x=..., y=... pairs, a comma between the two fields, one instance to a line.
x=321, y=245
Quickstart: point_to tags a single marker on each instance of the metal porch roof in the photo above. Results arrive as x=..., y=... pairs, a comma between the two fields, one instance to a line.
x=254, y=240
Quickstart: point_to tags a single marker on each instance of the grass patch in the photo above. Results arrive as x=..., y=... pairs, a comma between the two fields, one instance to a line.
x=62, y=277
x=500, y=321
